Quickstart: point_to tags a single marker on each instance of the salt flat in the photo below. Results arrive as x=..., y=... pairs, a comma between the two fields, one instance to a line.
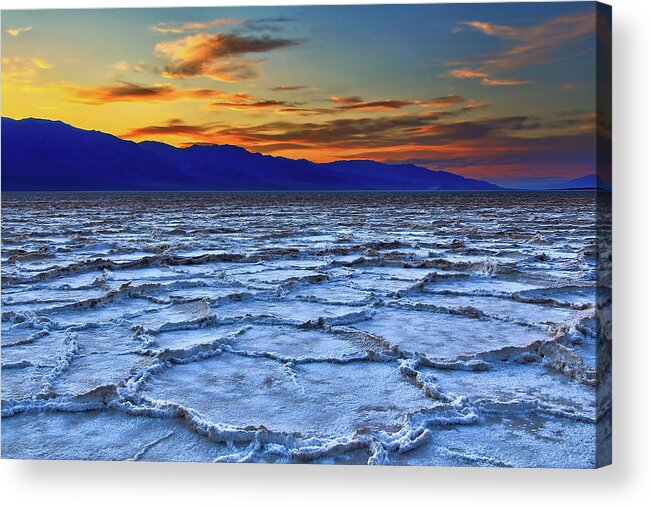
x=380, y=328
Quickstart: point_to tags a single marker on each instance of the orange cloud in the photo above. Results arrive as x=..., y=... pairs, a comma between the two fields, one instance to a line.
x=442, y=102
x=304, y=111
x=474, y=105
x=217, y=56
x=498, y=146
x=346, y=100
x=537, y=44
x=532, y=45
x=492, y=29
x=386, y=131
x=349, y=103
x=467, y=73
x=244, y=105
x=503, y=82
x=284, y=88
x=131, y=92
x=173, y=127
x=124, y=66
x=358, y=104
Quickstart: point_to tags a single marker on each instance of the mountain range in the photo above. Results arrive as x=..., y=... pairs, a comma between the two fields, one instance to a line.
x=50, y=155
x=584, y=182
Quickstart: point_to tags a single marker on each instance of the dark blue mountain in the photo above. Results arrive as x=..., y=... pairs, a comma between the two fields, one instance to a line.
x=585, y=182
x=53, y=156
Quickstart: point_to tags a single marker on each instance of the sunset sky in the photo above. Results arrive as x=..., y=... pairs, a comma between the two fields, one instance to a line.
x=503, y=92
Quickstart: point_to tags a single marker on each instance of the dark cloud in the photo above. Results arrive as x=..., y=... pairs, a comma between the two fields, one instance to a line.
x=504, y=82
x=258, y=104
x=504, y=148
x=131, y=92
x=576, y=149
x=346, y=100
x=266, y=24
x=173, y=127
x=217, y=55
x=444, y=101
x=358, y=104
x=382, y=105
x=400, y=130
x=284, y=88
x=304, y=111
x=507, y=160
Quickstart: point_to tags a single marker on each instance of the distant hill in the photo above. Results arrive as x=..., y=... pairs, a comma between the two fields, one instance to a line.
x=54, y=156
x=585, y=182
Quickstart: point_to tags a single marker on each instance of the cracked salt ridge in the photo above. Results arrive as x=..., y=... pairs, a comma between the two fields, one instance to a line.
x=281, y=275
x=464, y=284
x=136, y=303
x=561, y=295
x=174, y=316
x=39, y=348
x=215, y=294
x=21, y=333
x=126, y=308
x=81, y=358
x=259, y=444
x=279, y=311
x=504, y=309
x=86, y=373
x=337, y=292
x=403, y=439
x=186, y=339
x=82, y=272
x=304, y=345
x=29, y=299
x=517, y=387
x=278, y=396
x=508, y=441
x=578, y=297
x=446, y=336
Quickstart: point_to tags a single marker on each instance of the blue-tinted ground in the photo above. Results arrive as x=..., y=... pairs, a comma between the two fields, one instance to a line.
x=382, y=328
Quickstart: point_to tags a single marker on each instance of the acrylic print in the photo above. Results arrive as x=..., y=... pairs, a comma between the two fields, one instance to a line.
x=374, y=234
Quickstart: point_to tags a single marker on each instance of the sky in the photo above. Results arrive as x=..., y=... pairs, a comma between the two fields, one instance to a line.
x=502, y=92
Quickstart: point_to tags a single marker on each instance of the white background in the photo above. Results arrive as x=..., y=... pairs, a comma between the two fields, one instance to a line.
x=626, y=483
